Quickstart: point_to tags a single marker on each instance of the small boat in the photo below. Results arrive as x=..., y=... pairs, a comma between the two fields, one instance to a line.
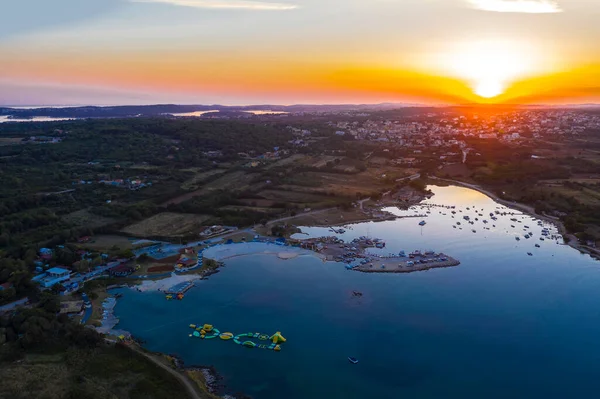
x=352, y=360
x=529, y=253
x=537, y=245
x=517, y=238
x=422, y=223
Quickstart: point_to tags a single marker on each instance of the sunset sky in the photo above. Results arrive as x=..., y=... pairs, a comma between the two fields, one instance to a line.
x=73, y=52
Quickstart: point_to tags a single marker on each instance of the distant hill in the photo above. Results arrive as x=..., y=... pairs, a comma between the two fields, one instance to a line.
x=161, y=109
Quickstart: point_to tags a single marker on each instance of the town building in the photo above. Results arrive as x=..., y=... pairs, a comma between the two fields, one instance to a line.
x=53, y=276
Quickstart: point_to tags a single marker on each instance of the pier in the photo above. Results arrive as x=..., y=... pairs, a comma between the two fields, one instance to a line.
x=180, y=288
x=407, y=265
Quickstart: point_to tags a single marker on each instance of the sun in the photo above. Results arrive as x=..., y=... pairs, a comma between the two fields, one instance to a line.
x=489, y=88
x=489, y=67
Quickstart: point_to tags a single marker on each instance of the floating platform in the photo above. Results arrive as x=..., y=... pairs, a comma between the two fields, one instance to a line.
x=180, y=288
x=263, y=341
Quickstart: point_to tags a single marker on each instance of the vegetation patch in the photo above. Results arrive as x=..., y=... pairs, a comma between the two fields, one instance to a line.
x=167, y=224
x=83, y=218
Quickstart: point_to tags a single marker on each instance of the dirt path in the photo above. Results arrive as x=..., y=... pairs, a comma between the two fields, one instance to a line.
x=189, y=386
x=299, y=215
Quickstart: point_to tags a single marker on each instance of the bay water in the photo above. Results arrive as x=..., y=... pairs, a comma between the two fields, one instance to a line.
x=501, y=324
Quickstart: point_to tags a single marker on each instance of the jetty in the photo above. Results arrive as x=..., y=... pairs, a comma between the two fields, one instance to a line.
x=416, y=262
x=180, y=288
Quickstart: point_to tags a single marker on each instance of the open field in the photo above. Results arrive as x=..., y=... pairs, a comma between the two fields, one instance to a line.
x=167, y=224
x=293, y=160
x=83, y=218
x=329, y=217
x=296, y=197
x=455, y=170
x=106, y=372
x=260, y=203
x=583, y=195
x=11, y=140
x=199, y=177
x=231, y=181
x=102, y=242
x=252, y=209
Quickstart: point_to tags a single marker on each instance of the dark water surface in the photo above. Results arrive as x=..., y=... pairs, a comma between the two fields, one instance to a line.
x=502, y=324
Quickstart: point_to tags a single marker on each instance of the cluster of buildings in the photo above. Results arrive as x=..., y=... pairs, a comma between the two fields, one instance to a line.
x=131, y=183
x=48, y=276
x=444, y=128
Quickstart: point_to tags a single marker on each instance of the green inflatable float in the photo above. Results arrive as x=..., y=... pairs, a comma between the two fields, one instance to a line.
x=207, y=331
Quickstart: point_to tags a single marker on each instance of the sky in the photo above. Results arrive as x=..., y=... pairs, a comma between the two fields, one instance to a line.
x=109, y=52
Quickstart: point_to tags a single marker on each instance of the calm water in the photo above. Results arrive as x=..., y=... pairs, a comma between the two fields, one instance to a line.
x=502, y=324
x=5, y=119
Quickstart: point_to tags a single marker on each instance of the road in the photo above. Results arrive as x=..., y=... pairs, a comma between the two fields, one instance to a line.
x=189, y=386
x=411, y=177
x=300, y=215
x=88, y=309
x=362, y=201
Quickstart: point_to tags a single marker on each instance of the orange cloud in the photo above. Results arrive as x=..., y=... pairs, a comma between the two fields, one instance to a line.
x=254, y=75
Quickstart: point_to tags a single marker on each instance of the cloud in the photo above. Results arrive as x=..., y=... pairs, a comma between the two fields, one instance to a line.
x=517, y=6
x=225, y=4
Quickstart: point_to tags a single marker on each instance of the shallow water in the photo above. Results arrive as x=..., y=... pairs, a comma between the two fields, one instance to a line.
x=502, y=324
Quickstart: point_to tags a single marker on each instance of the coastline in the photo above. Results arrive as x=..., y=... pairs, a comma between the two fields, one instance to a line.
x=206, y=377
x=285, y=253
x=569, y=238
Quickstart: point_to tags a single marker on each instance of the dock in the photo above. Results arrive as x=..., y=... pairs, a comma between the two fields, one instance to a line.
x=407, y=265
x=180, y=288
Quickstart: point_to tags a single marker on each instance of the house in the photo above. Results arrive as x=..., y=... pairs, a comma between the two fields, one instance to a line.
x=5, y=286
x=53, y=276
x=184, y=262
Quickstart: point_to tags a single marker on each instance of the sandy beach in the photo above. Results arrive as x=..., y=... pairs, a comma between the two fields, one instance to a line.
x=227, y=251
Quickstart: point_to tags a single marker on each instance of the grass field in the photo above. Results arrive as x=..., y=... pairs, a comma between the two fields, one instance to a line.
x=252, y=209
x=83, y=218
x=292, y=196
x=102, y=242
x=199, y=177
x=106, y=372
x=167, y=224
x=231, y=181
x=11, y=140
x=292, y=160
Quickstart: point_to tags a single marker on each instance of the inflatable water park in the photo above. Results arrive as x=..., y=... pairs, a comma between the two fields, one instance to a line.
x=263, y=341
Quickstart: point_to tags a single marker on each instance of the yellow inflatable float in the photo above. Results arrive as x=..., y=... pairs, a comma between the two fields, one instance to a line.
x=277, y=338
x=226, y=336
